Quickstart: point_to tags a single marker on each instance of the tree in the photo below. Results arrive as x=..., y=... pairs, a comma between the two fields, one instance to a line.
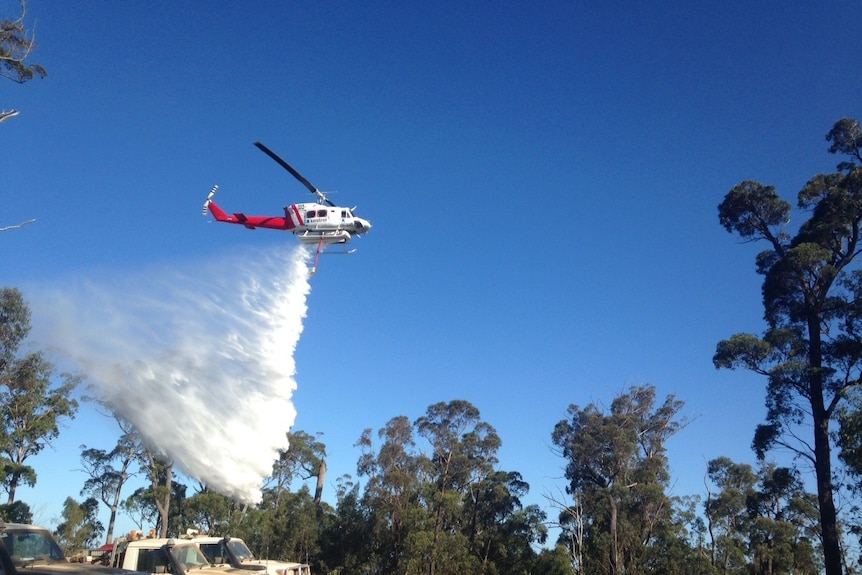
x=571, y=522
x=726, y=511
x=556, y=561
x=783, y=524
x=209, y=511
x=159, y=469
x=105, y=480
x=393, y=487
x=30, y=405
x=31, y=409
x=616, y=465
x=304, y=458
x=17, y=512
x=438, y=505
x=463, y=453
x=14, y=324
x=345, y=537
x=293, y=530
x=811, y=351
x=15, y=49
x=80, y=527
x=140, y=508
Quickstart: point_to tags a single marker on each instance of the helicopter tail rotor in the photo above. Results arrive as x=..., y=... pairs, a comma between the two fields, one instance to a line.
x=209, y=199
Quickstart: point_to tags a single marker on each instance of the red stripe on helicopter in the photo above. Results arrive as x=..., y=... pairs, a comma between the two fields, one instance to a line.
x=298, y=217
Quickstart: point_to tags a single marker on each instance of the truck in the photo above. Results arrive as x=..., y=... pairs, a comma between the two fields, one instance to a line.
x=234, y=552
x=175, y=556
x=31, y=550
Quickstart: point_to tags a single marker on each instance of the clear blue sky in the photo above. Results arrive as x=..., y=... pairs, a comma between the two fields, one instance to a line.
x=542, y=179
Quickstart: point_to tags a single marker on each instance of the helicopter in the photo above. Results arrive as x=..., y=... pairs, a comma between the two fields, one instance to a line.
x=320, y=223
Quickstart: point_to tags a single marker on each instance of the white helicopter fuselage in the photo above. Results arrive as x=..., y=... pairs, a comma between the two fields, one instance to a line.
x=314, y=222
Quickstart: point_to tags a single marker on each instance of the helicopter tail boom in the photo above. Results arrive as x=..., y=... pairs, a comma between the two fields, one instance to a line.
x=251, y=222
x=219, y=214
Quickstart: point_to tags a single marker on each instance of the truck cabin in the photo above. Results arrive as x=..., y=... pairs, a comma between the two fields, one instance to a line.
x=30, y=544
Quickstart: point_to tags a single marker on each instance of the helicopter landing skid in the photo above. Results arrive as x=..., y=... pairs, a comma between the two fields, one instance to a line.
x=320, y=246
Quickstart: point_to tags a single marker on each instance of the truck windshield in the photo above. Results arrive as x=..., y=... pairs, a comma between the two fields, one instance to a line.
x=240, y=550
x=28, y=546
x=189, y=556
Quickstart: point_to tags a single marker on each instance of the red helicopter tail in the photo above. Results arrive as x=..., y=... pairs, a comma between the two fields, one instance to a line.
x=218, y=213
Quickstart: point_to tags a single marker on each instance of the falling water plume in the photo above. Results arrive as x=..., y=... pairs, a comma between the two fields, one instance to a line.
x=200, y=362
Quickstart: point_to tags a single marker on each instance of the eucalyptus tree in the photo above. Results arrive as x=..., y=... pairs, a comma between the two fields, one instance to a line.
x=617, y=468
x=726, y=511
x=811, y=350
x=32, y=401
x=80, y=528
x=304, y=458
x=109, y=471
x=393, y=488
x=783, y=534
x=500, y=530
x=163, y=497
x=463, y=452
x=209, y=511
x=348, y=533
x=435, y=500
x=293, y=530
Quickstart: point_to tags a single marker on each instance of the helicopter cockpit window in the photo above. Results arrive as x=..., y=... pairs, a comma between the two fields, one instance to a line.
x=311, y=214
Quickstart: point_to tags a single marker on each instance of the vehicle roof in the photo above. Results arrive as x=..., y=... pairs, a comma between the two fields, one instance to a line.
x=211, y=539
x=26, y=526
x=157, y=542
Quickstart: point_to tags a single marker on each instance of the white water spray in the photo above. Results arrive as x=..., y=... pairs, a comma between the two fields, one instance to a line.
x=200, y=362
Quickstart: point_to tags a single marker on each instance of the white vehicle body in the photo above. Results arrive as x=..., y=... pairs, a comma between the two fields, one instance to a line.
x=233, y=552
x=175, y=556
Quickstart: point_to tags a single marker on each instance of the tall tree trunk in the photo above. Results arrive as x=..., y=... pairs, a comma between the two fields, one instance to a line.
x=828, y=514
x=321, y=477
x=615, y=553
x=823, y=453
x=164, y=505
x=113, y=518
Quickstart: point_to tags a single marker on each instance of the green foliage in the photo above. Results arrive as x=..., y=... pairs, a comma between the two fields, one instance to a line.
x=14, y=324
x=752, y=210
x=846, y=138
x=162, y=502
x=345, y=535
x=556, y=561
x=17, y=512
x=80, y=527
x=208, y=511
x=294, y=528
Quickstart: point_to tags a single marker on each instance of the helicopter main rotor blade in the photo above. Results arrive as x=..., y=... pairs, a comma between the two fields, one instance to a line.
x=293, y=172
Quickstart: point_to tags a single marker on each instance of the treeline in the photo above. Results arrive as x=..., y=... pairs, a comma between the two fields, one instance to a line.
x=430, y=497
